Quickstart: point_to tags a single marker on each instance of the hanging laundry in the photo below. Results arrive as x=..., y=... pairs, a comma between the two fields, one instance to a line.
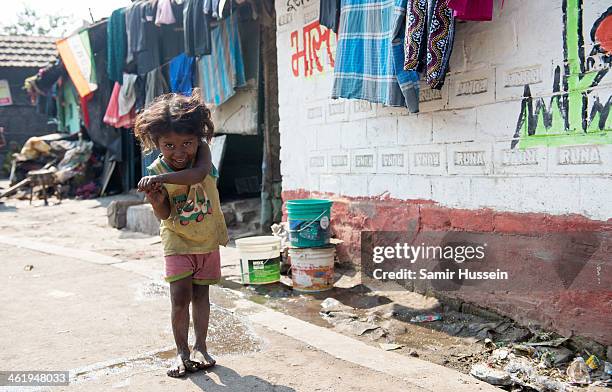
x=143, y=38
x=416, y=34
x=408, y=80
x=116, y=45
x=112, y=116
x=211, y=7
x=150, y=57
x=40, y=87
x=223, y=70
x=31, y=87
x=141, y=92
x=171, y=42
x=165, y=14
x=369, y=36
x=171, y=36
x=48, y=76
x=222, y=7
x=51, y=109
x=196, y=25
x=440, y=43
x=90, y=105
x=476, y=10
x=430, y=33
x=127, y=94
x=155, y=85
x=181, y=74
x=84, y=101
x=76, y=55
x=46, y=105
x=177, y=9
x=150, y=12
x=329, y=14
x=134, y=28
x=41, y=104
x=68, y=107
x=99, y=132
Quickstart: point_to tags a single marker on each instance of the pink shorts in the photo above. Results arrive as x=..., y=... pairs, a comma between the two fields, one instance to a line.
x=204, y=269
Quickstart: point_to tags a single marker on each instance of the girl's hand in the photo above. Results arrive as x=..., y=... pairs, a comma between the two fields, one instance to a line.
x=149, y=183
x=156, y=197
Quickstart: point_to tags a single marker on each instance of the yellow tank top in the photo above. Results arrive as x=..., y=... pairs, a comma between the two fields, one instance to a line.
x=196, y=224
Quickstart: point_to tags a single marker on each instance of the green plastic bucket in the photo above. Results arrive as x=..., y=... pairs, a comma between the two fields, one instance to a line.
x=309, y=222
x=259, y=259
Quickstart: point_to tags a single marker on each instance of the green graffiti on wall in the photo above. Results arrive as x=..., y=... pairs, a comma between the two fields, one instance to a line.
x=567, y=119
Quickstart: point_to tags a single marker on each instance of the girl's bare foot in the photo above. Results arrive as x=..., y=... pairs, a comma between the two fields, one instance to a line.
x=202, y=359
x=182, y=366
x=178, y=370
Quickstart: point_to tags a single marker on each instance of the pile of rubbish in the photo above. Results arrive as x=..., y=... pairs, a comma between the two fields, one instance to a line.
x=76, y=164
x=542, y=365
x=502, y=353
x=346, y=319
x=281, y=230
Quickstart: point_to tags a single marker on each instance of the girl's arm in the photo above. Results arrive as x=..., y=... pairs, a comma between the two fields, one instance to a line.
x=160, y=202
x=196, y=174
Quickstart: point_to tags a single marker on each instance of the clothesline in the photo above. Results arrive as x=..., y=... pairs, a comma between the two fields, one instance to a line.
x=222, y=72
x=383, y=46
x=214, y=24
x=147, y=37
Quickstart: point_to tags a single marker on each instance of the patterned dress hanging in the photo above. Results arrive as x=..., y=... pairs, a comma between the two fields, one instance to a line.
x=430, y=31
x=440, y=43
x=415, y=38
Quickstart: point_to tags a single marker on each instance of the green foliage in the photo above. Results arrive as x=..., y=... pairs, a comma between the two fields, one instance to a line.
x=31, y=23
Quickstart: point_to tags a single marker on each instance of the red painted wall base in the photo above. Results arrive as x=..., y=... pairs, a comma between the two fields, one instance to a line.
x=581, y=313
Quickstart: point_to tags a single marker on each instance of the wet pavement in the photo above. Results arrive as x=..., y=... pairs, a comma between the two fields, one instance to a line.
x=110, y=328
x=143, y=251
x=430, y=341
x=109, y=324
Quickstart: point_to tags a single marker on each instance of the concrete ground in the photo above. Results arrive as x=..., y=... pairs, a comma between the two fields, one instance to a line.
x=81, y=296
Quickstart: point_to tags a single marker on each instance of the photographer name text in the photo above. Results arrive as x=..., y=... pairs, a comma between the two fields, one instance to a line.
x=408, y=255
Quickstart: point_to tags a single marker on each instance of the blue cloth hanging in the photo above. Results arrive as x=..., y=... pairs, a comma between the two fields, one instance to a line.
x=369, y=52
x=181, y=74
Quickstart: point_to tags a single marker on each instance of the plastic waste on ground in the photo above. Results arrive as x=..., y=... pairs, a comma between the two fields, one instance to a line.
x=578, y=371
x=425, y=318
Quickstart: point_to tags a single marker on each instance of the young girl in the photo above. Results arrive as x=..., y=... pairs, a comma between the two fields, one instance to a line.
x=186, y=201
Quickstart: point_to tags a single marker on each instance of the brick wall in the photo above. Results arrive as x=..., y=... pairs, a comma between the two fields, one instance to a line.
x=501, y=148
x=458, y=150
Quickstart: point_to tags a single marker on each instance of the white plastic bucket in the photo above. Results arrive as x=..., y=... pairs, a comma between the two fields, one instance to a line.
x=259, y=259
x=312, y=269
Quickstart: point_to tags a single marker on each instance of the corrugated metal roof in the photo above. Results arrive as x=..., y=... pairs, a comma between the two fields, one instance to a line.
x=23, y=51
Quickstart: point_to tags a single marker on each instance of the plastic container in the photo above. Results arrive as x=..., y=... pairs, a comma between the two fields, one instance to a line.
x=312, y=269
x=309, y=222
x=259, y=259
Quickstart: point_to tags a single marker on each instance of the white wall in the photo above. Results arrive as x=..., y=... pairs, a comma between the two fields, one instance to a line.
x=456, y=151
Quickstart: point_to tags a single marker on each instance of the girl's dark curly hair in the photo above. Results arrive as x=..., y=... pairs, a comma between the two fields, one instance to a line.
x=173, y=113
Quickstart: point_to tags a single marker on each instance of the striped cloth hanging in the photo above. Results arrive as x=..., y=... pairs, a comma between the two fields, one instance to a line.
x=222, y=71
